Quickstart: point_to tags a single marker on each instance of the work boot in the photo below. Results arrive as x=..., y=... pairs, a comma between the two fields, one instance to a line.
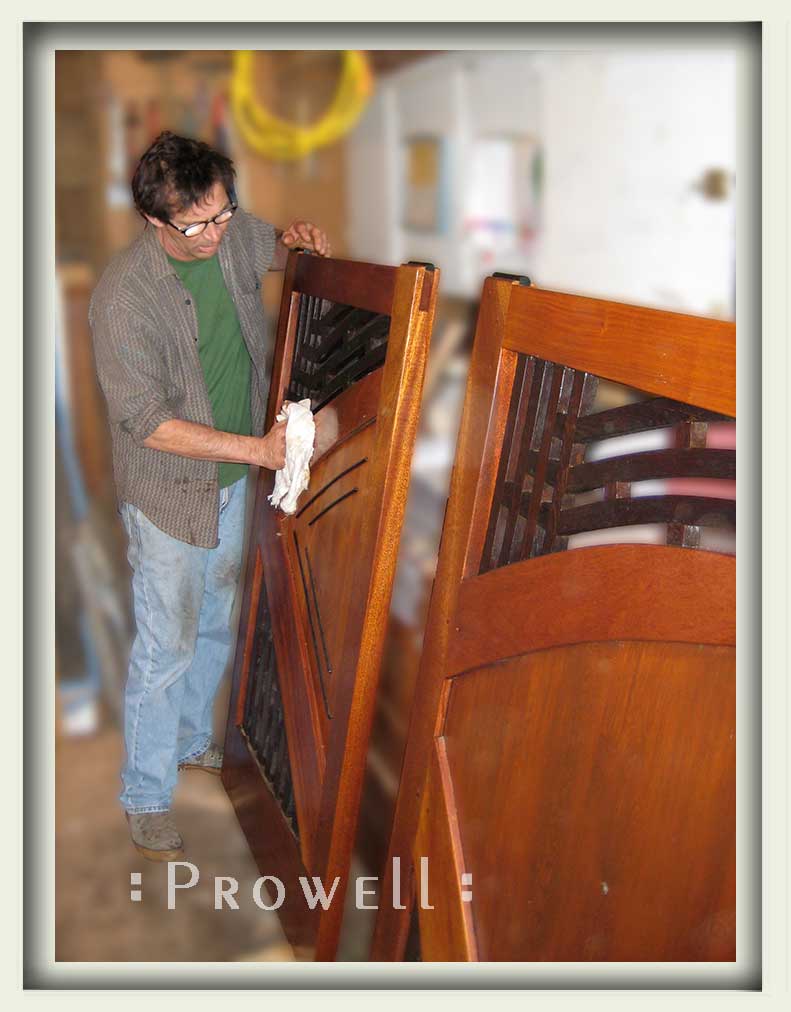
x=155, y=836
x=210, y=761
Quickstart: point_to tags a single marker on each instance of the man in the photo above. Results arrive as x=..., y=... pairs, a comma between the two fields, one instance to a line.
x=180, y=344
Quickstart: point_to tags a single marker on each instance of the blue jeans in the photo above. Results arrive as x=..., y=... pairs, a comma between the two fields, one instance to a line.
x=183, y=602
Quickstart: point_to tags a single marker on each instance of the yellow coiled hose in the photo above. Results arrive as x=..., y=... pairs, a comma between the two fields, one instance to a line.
x=275, y=138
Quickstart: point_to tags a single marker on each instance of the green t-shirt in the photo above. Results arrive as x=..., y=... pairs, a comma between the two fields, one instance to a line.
x=223, y=354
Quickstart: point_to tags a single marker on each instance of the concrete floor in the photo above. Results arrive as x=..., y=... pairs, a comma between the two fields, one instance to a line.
x=96, y=919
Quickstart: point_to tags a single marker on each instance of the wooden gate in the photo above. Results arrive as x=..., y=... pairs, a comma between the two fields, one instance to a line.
x=568, y=790
x=354, y=339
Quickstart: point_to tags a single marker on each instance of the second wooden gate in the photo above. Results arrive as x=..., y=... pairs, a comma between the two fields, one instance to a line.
x=568, y=789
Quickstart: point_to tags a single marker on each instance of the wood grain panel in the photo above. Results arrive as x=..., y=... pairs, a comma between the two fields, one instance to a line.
x=595, y=794
x=366, y=286
x=669, y=354
x=346, y=415
x=326, y=563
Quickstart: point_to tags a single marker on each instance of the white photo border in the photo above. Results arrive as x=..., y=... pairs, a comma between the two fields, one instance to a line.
x=763, y=384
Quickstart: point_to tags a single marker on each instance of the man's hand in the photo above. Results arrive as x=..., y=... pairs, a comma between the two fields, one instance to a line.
x=272, y=447
x=308, y=236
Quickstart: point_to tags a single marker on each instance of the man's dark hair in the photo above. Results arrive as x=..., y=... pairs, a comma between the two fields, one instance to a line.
x=177, y=172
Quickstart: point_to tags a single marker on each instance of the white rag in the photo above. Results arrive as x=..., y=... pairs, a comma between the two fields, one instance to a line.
x=292, y=480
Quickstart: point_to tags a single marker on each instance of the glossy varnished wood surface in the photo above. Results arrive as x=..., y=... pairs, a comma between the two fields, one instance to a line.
x=367, y=286
x=354, y=409
x=328, y=575
x=303, y=722
x=379, y=535
x=563, y=690
x=325, y=564
x=653, y=593
x=392, y=926
x=594, y=794
x=439, y=841
x=669, y=354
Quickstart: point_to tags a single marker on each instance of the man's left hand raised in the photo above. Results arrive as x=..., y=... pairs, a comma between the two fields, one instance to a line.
x=308, y=236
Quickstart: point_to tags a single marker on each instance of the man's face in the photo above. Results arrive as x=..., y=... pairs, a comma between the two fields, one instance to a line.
x=199, y=247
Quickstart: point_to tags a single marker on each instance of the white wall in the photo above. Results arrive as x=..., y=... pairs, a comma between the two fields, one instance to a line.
x=626, y=136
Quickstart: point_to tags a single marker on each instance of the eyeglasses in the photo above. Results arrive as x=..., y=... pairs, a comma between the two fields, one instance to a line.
x=190, y=231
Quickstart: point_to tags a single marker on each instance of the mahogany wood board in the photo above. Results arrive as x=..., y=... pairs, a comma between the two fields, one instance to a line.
x=669, y=354
x=592, y=792
x=366, y=286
